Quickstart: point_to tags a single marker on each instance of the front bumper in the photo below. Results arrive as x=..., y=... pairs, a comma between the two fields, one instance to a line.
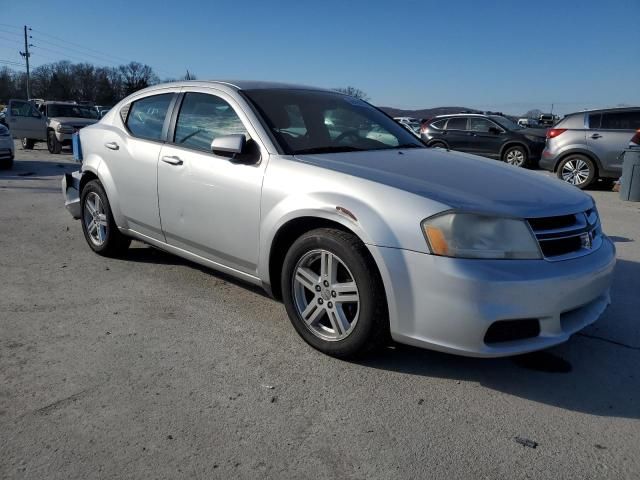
x=71, y=192
x=449, y=304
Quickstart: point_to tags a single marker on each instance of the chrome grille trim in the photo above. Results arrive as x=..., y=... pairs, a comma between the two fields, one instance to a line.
x=579, y=234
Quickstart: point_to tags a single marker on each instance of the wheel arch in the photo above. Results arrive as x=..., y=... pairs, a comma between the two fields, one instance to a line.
x=578, y=151
x=288, y=233
x=514, y=143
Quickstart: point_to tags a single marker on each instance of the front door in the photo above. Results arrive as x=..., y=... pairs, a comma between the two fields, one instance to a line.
x=210, y=204
x=25, y=121
x=486, y=137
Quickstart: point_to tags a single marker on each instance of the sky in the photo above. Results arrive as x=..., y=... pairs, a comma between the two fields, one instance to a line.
x=510, y=56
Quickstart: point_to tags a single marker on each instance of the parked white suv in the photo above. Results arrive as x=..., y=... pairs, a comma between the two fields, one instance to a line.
x=51, y=122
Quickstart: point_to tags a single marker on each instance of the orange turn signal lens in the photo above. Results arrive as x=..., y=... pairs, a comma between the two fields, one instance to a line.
x=436, y=239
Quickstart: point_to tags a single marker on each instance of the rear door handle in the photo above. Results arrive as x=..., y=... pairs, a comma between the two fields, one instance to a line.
x=172, y=160
x=596, y=136
x=112, y=145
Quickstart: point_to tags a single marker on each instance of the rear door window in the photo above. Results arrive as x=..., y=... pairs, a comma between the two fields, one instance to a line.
x=146, y=116
x=204, y=117
x=457, y=123
x=594, y=121
x=21, y=108
x=621, y=120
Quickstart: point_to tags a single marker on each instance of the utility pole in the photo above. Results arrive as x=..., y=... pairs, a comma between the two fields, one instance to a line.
x=26, y=56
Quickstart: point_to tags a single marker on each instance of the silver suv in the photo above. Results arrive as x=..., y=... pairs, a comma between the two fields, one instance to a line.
x=586, y=146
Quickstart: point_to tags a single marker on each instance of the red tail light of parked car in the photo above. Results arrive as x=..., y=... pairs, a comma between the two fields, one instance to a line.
x=635, y=140
x=554, y=132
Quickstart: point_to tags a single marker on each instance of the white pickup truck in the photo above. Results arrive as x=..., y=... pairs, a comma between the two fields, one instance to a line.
x=51, y=122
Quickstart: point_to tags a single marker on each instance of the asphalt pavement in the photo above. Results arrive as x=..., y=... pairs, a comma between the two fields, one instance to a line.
x=150, y=366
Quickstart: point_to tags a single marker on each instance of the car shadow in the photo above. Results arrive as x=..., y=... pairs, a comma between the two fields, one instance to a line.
x=595, y=372
x=142, y=253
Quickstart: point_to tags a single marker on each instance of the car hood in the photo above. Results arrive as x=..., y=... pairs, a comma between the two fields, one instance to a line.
x=73, y=120
x=461, y=181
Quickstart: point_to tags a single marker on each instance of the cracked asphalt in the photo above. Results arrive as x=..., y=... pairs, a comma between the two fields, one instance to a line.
x=152, y=367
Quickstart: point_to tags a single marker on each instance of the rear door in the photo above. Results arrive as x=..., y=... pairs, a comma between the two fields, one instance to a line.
x=456, y=134
x=25, y=121
x=609, y=134
x=132, y=157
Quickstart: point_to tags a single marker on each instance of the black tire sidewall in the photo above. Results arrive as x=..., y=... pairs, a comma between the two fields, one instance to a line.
x=592, y=170
x=27, y=143
x=52, y=143
x=368, y=284
x=438, y=145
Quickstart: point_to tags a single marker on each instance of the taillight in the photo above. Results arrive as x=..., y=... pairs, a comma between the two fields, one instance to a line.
x=554, y=132
x=635, y=140
x=423, y=127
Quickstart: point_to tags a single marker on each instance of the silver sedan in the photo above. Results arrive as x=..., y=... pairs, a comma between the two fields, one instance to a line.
x=331, y=206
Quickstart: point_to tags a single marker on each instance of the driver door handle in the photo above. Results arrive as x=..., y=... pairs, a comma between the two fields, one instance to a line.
x=172, y=160
x=112, y=145
x=596, y=136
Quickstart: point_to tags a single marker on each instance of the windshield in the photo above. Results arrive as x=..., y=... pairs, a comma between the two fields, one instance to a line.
x=64, y=110
x=308, y=121
x=505, y=122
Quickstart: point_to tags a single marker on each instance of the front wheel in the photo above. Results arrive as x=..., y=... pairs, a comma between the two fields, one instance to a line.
x=333, y=293
x=99, y=227
x=577, y=170
x=516, y=156
x=27, y=143
x=53, y=145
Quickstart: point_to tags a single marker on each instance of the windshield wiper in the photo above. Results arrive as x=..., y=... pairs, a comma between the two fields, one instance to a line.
x=327, y=150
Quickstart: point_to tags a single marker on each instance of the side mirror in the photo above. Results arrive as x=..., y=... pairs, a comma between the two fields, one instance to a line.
x=229, y=145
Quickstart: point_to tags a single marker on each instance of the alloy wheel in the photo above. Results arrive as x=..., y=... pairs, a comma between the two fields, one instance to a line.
x=575, y=172
x=515, y=157
x=325, y=295
x=95, y=219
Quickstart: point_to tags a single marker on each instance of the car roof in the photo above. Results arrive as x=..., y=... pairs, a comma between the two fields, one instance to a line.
x=241, y=85
x=447, y=115
x=601, y=110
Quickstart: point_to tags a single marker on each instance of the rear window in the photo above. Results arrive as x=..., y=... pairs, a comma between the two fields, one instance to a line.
x=439, y=124
x=457, y=123
x=146, y=116
x=594, y=120
x=621, y=120
x=572, y=121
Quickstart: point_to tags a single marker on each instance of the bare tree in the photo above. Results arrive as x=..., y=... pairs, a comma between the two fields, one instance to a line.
x=136, y=76
x=354, y=92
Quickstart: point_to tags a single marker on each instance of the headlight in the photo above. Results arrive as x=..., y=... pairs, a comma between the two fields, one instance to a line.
x=467, y=235
x=64, y=129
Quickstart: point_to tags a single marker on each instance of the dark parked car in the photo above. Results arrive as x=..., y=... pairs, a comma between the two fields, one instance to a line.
x=586, y=146
x=491, y=136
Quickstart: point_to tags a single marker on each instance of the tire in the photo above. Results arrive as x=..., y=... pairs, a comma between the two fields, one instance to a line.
x=516, y=156
x=105, y=240
x=53, y=145
x=6, y=164
x=343, y=329
x=27, y=143
x=578, y=170
x=438, y=145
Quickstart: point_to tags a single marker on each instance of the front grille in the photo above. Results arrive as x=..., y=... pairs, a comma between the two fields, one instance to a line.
x=567, y=236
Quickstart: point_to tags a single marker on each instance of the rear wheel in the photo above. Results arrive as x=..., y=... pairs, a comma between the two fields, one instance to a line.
x=333, y=293
x=516, y=156
x=53, y=145
x=577, y=170
x=438, y=145
x=28, y=143
x=99, y=227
